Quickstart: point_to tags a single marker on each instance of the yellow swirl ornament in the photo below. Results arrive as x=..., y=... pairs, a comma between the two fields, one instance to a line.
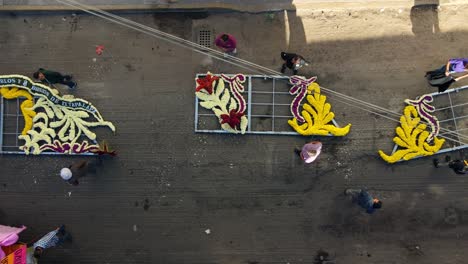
x=411, y=136
x=26, y=105
x=317, y=115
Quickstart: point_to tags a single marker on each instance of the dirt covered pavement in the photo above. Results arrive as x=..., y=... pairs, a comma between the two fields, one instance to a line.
x=155, y=202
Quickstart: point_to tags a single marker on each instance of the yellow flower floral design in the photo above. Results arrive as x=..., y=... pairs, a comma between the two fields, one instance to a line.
x=411, y=136
x=71, y=124
x=53, y=122
x=317, y=115
x=26, y=105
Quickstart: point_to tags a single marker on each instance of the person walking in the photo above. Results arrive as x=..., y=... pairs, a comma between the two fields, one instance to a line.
x=364, y=199
x=227, y=43
x=458, y=166
x=51, y=77
x=72, y=173
x=292, y=61
x=442, y=78
x=322, y=257
x=51, y=239
x=309, y=151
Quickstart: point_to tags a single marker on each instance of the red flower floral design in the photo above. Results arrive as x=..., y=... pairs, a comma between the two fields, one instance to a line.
x=206, y=83
x=233, y=119
x=99, y=49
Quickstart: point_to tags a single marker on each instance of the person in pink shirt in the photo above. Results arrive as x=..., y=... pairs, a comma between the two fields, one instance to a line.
x=310, y=151
x=227, y=43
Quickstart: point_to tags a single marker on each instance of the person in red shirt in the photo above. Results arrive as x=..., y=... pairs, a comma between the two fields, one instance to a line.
x=227, y=43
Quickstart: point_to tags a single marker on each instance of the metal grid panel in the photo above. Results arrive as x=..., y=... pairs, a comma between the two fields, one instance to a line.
x=451, y=111
x=268, y=107
x=453, y=115
x=205, y=38
x=12, y=123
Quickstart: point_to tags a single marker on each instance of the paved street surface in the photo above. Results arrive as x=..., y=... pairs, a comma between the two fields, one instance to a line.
x=168, y=185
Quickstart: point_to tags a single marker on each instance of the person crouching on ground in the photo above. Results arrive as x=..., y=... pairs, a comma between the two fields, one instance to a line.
x=51, y=77
x=227, y=43
x=442, y=78
x=458, y=166
x=292, y=61
x=72, y=173
x=364, y=199
x=309, y=151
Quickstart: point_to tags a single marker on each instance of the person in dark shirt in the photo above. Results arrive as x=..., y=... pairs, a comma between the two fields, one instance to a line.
x=364, y=199
x=51, y=77
x=458, y=166
x=292, y=61
x=322, y=257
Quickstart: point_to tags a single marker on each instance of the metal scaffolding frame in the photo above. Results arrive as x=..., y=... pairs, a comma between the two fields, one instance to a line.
x=5, y=114
x=249, y=95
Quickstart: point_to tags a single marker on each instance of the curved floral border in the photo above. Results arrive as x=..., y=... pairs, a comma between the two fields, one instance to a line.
x=412, y=138
x=424, y=110
x=317, y=115
x=299, y=88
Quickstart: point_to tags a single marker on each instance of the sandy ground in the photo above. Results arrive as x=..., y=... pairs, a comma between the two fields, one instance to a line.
x=154, y=202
